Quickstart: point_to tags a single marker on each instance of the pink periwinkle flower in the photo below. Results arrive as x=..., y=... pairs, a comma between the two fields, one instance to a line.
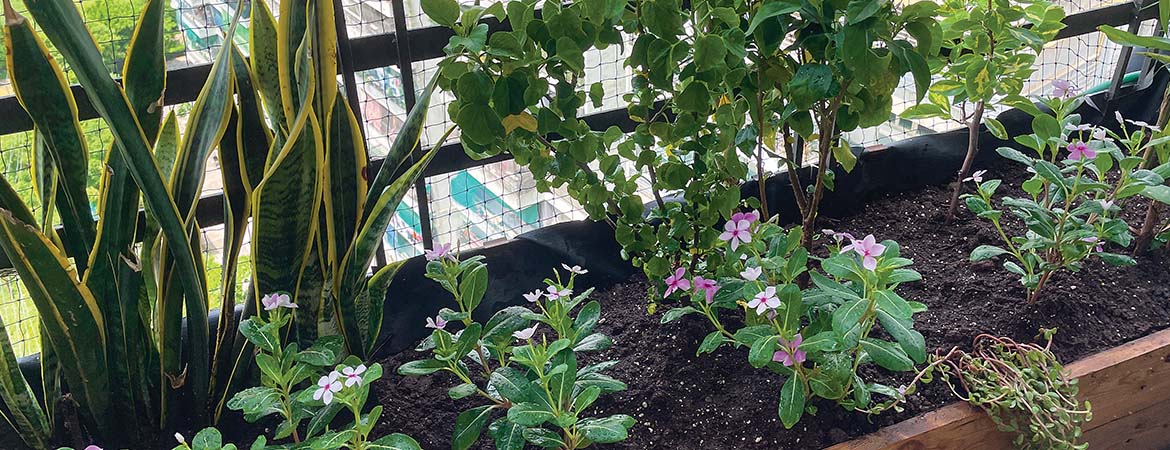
x=748, y=216
x=439, y=252
x=277, y=300
x=708, y=287
x=327, y=385
x=437, y=323
x=1063, y=89
x=977, y=177
x=533, y=296
x=1080, y=150
x=555, y=293
x=765, y=300
x=677, y=282
x=836, y=236
x=736, y=232
x=790, y=352
x=526, y=333
x=751, y=273
x=868, y=249
x=1100, y=246
x=353, y=375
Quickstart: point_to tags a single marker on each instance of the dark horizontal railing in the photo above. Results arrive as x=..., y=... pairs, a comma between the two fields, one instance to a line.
x=370, y=52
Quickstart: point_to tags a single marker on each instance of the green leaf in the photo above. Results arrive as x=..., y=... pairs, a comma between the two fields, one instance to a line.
x=443, y=12
x=529, y=414
x=902, y=331
x=791, y=402
x=514, y=386
x=985, y=252
x=846, y=316
x=421, y=367
x=695, y=97
x=709, y=51
x=396, y=441
x=996, y=128
x=468, y=426
x=859, y=10
x=664, y=18
x=508, y=435
x=607, y=430
x=675, y=313
x=769, y=10
x=762, y=351
x=23, y=411
x=711, y=343
x=1160, y=193
x=498, y=330
x=887, y=355
x=1116, y=259
x=256, y=402
x=1133, y=40
x=545, y=438
x=812, y=83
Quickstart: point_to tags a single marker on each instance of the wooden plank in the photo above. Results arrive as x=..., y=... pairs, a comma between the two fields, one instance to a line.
x=1128, y=387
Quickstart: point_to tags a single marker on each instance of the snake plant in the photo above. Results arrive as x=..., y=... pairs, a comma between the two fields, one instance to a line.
x=292, y=162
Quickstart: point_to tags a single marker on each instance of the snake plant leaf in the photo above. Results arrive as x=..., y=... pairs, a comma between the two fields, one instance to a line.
x=10, y=201
x=24, y=413
x=165, y=148
x=145, y=62
x=292, y=24
x=346, y=158
x=71, y=317
x=44, y=181
x=310, y=315
x=41, y=88
x=114, y=280
x=325, y=56
x=375, y=301
x=285, y=208
x=361, y=254
x=404, y=144
x=262, y=45
x=60, y=21
x=253, y=139
x=236, y=204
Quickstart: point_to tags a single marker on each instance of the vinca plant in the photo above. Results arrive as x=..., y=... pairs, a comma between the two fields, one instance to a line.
x=818, y=338
x=1083, y=178
x=718, y=88
x=523, y=363
x=284, y=372
x=989, y=49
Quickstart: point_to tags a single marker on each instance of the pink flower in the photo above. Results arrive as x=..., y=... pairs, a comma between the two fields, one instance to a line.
x=437, y=323
x=1094, y=240
x=751, y=273
x=533, y=296
x=554, y=293
x=677, y=282
x=737, y=231
x=1106, y=205
x=1080, y=150
x=439, y=252
x=765, y=300
x=353, y=375
x=748, y=216
x=868, y=249
x=93, y=447
x=709, y=287
x=277, y=300
x=1063, y=89
x=526, y=333
x=790, y=352
x=976, y=177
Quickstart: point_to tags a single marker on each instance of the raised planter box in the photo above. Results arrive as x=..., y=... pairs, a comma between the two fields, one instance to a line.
x=1128, y=387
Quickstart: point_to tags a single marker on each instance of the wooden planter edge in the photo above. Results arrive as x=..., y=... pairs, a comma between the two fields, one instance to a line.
x=1128, y=387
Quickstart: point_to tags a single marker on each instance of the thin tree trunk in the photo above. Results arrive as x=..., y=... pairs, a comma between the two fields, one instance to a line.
x=969, y=160
x=1146, y=235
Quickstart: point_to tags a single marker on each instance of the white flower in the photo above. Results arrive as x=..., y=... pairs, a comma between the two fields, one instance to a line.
x=765, y=300
x=976, y=177
x=437, y=323
x=277, y=300
x=179, y=436
x=1106, y=205
x=353, y=375
x=533, y=296
x=439, y=252
x=575, y=269
x=751, y=273
x=326, y=387
x=1099, y=134
x=526, y=333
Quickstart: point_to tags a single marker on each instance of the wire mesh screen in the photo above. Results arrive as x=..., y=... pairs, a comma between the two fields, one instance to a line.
x=468, y=208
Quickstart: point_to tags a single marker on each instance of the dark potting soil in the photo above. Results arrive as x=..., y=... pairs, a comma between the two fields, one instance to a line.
x=718, y=401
